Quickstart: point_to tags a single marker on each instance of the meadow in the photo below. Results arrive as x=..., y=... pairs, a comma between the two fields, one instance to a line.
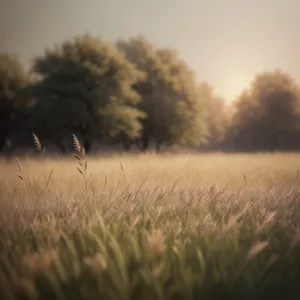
x=180, y=226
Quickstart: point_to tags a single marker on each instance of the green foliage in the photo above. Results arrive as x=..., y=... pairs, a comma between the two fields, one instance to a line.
x=13, y=98
x=267, y=116
x=83, y=83
x=136, y=93
x=121, y=119
x=168, y=95
x=216, y=115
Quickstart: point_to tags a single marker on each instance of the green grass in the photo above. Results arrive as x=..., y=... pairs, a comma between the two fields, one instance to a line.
x=209, y=226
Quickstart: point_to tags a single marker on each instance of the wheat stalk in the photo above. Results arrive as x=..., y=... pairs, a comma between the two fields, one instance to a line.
x=80, y=156
x=20, y=169
x=37, y=143
x=76, y=144
x=256, y=249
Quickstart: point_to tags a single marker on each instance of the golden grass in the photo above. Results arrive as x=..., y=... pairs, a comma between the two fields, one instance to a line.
x=208, y=217
x=189, y=171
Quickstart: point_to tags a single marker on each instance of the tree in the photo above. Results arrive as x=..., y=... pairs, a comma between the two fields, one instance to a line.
x=267, y=115
x=216, y=115
x=13, y=99
x=168, y=95
x=84, y=87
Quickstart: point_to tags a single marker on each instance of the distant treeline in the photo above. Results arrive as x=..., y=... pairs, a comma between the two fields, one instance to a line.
x=137, y=95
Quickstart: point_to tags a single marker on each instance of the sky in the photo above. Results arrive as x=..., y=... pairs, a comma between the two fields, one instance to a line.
x=227, y=42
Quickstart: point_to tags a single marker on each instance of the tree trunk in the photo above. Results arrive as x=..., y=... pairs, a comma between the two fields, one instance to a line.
x=126, y=142
x=87, y=146
x=158, y=146
x=4, y=131
x=127, y=145
x=145, y=142
x=274, y=142
x=2, y=140
x=61, y=146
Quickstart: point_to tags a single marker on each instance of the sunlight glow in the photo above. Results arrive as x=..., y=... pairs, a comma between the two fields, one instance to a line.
x=232, y=86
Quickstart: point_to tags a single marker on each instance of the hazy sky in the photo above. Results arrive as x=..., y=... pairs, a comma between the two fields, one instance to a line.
x=225, y=41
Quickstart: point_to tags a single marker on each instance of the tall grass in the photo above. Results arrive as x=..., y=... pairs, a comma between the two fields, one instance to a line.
x=209, y=226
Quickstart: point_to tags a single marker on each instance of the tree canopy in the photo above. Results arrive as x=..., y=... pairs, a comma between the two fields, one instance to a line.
x=13, y=97
x=168, y=95
x=86, y=84
x=267, y=115
x=134, y=93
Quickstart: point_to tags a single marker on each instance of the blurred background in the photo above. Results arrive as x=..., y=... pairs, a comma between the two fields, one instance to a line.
x=139, y=75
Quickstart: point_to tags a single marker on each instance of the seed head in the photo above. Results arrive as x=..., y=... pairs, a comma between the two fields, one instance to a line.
x=156, y=242
x=96, y=263
x=36, y=263
x=256, y=249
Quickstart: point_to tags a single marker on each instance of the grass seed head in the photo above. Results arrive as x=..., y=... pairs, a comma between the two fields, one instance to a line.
x=35, y=263
x=76, y=144
x=37, y=143
x=156, y=242
x=233, y=220
x=272, y=260
x=96, y=263
x=256, y=249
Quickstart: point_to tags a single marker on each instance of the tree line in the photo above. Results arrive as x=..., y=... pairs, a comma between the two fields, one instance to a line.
x=138, y=95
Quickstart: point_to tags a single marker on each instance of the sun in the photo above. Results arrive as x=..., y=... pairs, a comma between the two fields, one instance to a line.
x=231, y=86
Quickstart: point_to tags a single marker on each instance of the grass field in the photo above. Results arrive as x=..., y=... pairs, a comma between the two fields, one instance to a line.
x=209, y=226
